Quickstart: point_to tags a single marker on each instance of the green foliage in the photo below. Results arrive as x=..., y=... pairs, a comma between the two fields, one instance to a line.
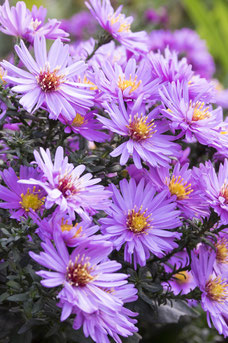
x=212, y=25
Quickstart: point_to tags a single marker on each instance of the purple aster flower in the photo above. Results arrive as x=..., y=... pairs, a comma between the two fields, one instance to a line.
x=66, y=187
x=145, y=140
x=73, y=233
x=80, y=25
x=100, y=324
x=141, y=221
x=159, y=16
x=86, y=275
x=169, y=68
x=221, y=261
x=86, y=125
x=187, y=42
x=20, y=22
x=183, y=281
x=194, y=118
x=21, y=199
x=214, y=298
x=182, y=186
x=50, y=30
x=49, y=80
x=215, y=187
x=132, y=80
x=118, y=25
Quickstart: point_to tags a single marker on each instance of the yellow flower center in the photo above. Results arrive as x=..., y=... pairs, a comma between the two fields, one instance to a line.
x=224, y=192
x=222, y=250
x=182, y=277
x=124, y=84
x=35, y=24
x=88, y=82
x=137, y=221
x=139, y=129
x=68, y=227
x=79, y=271
x=120, y=18
x=178, y=188
x=31, y=201
x=49, y=80
x=2, y=74
x=78, y=120
x=217, y=289
x=199, y=112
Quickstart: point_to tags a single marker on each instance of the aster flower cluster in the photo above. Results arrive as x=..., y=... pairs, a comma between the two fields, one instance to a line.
x=114, y=170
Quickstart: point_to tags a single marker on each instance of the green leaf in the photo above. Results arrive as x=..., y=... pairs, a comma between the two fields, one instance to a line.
x=18, y=297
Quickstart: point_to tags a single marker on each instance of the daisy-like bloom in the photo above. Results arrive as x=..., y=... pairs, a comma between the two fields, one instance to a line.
x=66, y=187
x=48, y=81
x=100, y=324
x=214, y=298
x=221, y=261
x=215, y=187
x=73, y=233
x=141, y=221
x=86, y=125
x=18, y=21
x=182, y=186
x=144, y=138
x=118, y=25
x=194, y=118
x=169, y=68
x=185, y=41
x=86, y=275
x=21, y=199
x=183, y=281
x=131, y=79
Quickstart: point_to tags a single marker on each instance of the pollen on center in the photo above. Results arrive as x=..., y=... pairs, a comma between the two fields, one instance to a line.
x=178, y=187
x=124, y=84
x=138, y=221
x=140, y=128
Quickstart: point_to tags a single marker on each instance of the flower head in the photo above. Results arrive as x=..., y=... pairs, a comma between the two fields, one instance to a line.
x=20, y=22
x=86, y=125
x=144, y=137
x=182, y=186
x=21, y=199
x=48, y=81
x=86, y=275
x=118, y=25
x=214, y=299
x=66, y=187
x=215, y=187
x=140, y=221
x=193, y=117
x=131, y=80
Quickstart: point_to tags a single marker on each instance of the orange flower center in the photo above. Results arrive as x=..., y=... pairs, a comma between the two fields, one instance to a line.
x=78, y=120
x=182, y=277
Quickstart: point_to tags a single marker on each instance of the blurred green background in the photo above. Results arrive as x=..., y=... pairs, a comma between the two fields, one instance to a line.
x=210, y=19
